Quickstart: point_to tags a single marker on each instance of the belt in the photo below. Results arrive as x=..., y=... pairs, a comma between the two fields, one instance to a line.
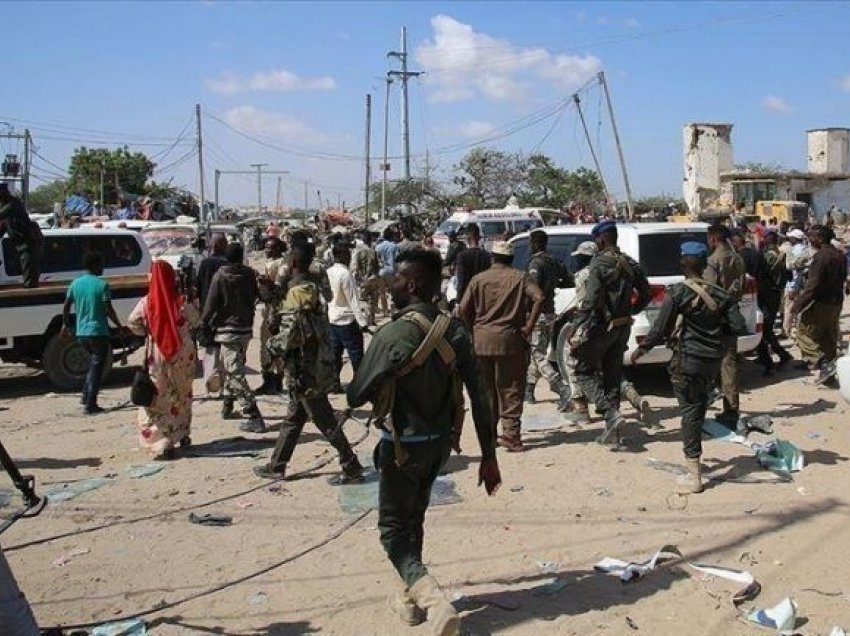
x=409, y=439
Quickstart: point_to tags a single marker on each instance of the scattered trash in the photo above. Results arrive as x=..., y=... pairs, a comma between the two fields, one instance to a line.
x=751, y=589
x=260, y=598
x=553, y=587
x=837, y=631
x=801, y=490
x=276, y=489
x=517, y=488
x=50, y=395
x=136, y=627
x=814, y=435
x=782, y=617
x=549, y=567
x=667, y=467
x=747, y=558
x=759, y=423
x=6, y=497
x=71, y=490
x=631, y=623
x=357, y=498
x=245, y=504
x=603, y=491
x=780, y=455
x=137, y=471
x=210, y=519
x=63, y=560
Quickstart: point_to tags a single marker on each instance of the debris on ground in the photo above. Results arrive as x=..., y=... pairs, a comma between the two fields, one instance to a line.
x=548, y=567
x=260, y=598
x=552, y=587
x=72, y=490
x=780, y=455
x=782, y=617
x=64, y=559
x=137, y=471
x=210, y=519
x=136, y=627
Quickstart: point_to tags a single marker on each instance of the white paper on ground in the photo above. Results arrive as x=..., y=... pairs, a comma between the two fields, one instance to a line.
x=782, y=616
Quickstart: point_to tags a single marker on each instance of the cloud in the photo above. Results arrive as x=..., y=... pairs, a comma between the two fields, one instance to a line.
x=633, y=23
x=844, y=83
x=774, y=104
x=277, y=81
x=475, y=129
x=602, y=20
x=461, y=64
x=281, y=125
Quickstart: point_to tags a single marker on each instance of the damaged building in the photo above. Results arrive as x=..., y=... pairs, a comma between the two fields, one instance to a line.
x=712, y=182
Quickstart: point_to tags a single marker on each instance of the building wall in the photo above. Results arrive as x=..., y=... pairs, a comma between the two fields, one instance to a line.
x=707, y=153
x=835, y=193
x=829, y=151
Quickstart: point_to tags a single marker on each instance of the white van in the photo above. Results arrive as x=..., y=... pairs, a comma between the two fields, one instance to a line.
x=655, y=246
x=495, y=225
x=31, y=319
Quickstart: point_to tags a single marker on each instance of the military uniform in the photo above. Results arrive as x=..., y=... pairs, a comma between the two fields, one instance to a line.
x=25, y=236
x=771, y=283
x=423, y=414
x=602, y=327
x=272, y=273
x=701, y=315
x=546, y=272
x=364, y=268
x=726, y=269
x=302, y=342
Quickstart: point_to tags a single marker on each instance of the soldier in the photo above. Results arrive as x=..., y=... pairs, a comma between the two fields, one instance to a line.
x=726, y=269
x=771, y=283
x=547, y=273
x=229, y=315
x=364, y=268
x=301, y=338
x=272, y=377
x=603, y=322
x=417, y=364
x=23, y=233
x=698, y=315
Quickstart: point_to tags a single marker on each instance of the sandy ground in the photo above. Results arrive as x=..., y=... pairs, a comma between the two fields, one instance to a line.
x=294, y=563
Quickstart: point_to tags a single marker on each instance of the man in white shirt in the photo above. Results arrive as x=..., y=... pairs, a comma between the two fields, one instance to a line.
x=346, y=318
x=797, y=257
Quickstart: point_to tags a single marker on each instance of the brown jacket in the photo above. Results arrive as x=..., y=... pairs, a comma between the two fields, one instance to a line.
x=825, y=283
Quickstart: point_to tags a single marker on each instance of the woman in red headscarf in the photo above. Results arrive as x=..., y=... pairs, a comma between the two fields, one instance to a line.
x=166, y=318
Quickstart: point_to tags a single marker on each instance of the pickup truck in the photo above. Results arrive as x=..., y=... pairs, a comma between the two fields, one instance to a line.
x=31, y=319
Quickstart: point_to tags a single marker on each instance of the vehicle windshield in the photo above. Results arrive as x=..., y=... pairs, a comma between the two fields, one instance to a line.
x=448, y=226
x=163, y=241
x=660, y=253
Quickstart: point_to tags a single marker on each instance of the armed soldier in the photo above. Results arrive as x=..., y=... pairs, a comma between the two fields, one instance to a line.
x=548, y=274
x=23, y=233
x=726, y=269
x=270, y=295
x=602, y=326
x=702, y=315
x=412, y=372
x=301, y=338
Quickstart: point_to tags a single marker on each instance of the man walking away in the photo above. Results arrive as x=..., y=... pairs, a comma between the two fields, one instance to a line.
x=387, y=252
x=819, y=304
x=602, y=326
x=213, y=371
x=697, y=315
x=547, y=273
x=771, y=283
x=364, y=267
x=796, y=261
x=92, y=301
x=229, y=315
x=726, y=269
x=347, y=321
x=24, y=234
x=301, y=336
x=272, y=377
x=471, y=261
x=412, y=372
x=501, y=307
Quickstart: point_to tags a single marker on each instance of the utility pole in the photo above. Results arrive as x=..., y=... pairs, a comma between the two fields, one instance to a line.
x=619, y=147
x=102, y=175
x=217, y=177
x=277, y=202
x=385, y=167
x=16, y=168
x=608, y=198
x=259, y=167
x=404, y=74
x=368, y=156
x=306, y=202
x=25, y=176
x=200, y=163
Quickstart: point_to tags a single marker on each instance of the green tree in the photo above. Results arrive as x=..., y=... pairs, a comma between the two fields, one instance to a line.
x=487, y=177
x=550, y=186
x=41, y=200
x=122, y=171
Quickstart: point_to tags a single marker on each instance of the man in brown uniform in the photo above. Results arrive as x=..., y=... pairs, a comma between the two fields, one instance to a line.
x=726, y=270
x=495, y=307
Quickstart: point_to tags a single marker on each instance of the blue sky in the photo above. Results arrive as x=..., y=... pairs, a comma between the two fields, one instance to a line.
x=295, y=75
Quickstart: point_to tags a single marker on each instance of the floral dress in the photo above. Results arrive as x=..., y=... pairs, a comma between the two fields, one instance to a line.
x=167, y=421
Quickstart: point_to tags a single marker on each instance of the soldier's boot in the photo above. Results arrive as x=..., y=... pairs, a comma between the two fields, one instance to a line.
x=227, y=411
x=691, y=482
x=579, y=414
x=267, y=387
x=729, y=419
x=352, y=473
x=610, y=436
x=529, y=393
x=638, y=402
x=255, y=422
x=404, y=607
x=562, y=389
x=442, y=616
x=270, y=471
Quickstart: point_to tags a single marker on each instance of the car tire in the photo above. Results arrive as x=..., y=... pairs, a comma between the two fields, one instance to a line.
x=65, y=363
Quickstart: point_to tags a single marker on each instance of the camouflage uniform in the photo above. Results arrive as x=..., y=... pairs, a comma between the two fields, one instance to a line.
x=302, y=342
x=546, y=272
x=272, y=271
x=364, y=268
x=233, y=352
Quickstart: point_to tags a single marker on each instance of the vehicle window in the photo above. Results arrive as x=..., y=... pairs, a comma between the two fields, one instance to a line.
x=493, y=228
x=521, y=254
x=65, y=254
x=659, y=253
x=562, y=248
x=526, y=225
x=448, y=226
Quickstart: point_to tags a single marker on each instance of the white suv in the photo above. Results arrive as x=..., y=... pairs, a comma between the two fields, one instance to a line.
x=656, y=247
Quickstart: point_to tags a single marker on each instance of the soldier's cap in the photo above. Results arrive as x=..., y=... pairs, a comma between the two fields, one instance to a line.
x=503, y=248
x=588, y=248
x=797, y=235
x=694, y=248
x=602, y=227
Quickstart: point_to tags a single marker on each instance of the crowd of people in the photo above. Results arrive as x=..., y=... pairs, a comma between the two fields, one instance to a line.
x=319, y=299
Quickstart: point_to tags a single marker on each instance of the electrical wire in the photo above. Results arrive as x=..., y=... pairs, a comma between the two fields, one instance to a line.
x=180, y=137
x=91, y=132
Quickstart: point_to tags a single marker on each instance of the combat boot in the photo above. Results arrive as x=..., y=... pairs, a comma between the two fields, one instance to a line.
x=442, y=616
x=562, y=389
x=404, y=607
x=267, y=387
x=691, y=483
x=529, y=394
x=255, y=422
x=352, y=473
x=579, y=414
x=610, y=437
x=638, y=402
x=278, y=383
x=227, y=412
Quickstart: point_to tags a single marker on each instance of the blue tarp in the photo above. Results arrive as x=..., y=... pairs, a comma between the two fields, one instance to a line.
x=77, y=204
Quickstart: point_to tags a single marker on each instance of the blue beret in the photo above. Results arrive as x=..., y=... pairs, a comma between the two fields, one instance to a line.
x=694, y=248
x=602, y=227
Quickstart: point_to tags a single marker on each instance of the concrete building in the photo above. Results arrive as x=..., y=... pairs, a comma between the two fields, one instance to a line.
x=712, y=182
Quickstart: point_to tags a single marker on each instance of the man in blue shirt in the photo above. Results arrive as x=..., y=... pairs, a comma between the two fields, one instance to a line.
x=92, y=301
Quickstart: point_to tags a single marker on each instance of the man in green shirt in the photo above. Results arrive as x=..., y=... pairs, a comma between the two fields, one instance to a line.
x=92, y=301
x=420, y=433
